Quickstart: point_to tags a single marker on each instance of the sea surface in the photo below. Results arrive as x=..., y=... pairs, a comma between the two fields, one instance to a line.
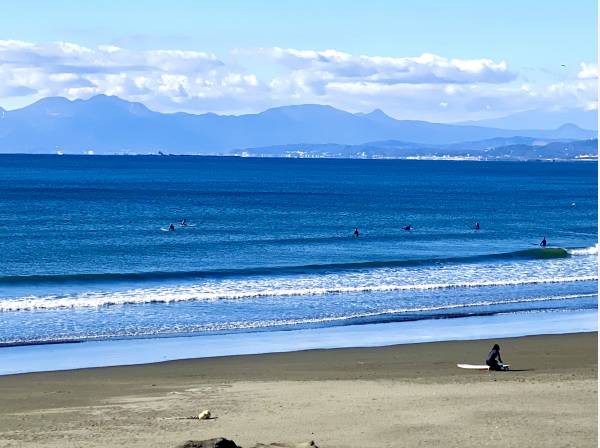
x=85, y=255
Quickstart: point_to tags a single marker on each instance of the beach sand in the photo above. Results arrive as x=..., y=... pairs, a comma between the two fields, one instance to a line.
x=405, y=395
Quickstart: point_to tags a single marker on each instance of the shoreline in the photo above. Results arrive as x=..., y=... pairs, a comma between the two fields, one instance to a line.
x=137, y=351
x=448, y=158
x=399, y=395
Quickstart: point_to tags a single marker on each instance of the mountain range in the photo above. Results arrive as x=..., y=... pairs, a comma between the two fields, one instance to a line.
x=107, y=125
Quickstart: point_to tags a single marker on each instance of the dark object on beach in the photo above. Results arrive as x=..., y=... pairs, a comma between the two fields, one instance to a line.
x=493, y=358
x=219, y=442
x=310, y=444
x=225, y=443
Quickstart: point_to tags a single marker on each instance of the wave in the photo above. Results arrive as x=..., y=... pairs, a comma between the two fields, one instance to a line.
x=592, y=250
x=190, y=293
x=381, y=316
x=527, y=254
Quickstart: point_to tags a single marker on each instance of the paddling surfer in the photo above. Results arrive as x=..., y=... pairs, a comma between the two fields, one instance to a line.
x=184, y=222
x=408, y=227
x=494, y=360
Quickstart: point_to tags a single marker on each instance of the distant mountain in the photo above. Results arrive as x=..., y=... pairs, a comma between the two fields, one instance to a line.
x=108, y=124
x=378, y=116
x=541, y=119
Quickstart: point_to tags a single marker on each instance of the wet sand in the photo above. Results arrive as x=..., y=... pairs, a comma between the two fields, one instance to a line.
x=404, y=395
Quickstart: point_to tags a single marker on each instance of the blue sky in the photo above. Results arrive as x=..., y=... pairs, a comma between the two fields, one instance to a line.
x=488, y=58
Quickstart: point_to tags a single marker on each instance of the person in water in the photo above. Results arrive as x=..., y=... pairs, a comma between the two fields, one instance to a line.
x=408, y=227
x=477, y=226
x=171, y=228
x=494, y=360
x=184, y=222
x=544, y=243
x=356, y=233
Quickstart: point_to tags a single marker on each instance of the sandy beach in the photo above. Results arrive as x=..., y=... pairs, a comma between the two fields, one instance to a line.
x=404, y=395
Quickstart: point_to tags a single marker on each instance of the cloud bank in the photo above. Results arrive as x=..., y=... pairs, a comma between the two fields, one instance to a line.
x=428, y=86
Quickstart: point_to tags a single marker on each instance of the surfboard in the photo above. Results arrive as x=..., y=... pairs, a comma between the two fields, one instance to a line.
x=187, y=225
x=165, y=230
x=473, y=366
x=480, y=366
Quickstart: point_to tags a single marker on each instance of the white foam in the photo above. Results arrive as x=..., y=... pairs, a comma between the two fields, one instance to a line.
x=207, y=292
x=379, y=280
x=592, y=250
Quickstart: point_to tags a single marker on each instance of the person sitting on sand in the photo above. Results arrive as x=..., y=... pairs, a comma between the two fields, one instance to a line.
x=171, y=228
x=356, y=233
x=493, y=358
x=544, y=242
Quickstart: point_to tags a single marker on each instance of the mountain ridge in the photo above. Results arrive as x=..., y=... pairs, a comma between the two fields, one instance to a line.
x=109, y=124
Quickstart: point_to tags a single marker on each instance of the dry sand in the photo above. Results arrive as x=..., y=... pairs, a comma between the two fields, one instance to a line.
x=406, y=395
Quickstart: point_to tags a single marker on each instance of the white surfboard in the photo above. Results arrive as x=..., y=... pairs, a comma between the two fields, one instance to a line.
x=480, y=366
x=473, y=366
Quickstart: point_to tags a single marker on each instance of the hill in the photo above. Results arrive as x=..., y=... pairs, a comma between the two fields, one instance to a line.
x=108, y=125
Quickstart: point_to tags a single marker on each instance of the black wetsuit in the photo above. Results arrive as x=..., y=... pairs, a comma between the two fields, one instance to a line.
x=492, y=361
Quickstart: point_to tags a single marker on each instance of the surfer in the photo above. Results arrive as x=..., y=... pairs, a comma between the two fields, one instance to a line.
x=408, y=227
x=356, y=233
x=477, y=227
x=171, y=228
x=544, y=242
x=184, y=222
x=493, y=358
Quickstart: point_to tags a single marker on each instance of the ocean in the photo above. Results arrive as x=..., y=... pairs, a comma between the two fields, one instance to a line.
x=270, y=247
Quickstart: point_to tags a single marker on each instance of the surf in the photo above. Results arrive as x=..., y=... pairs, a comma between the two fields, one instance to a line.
x=103, y=277
x=404, y=314
x=208, y=293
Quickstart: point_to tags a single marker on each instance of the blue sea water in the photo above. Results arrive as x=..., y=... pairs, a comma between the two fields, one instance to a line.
x=270, y=245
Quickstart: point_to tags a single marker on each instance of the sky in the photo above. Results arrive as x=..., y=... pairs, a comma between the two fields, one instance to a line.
x=433, y=60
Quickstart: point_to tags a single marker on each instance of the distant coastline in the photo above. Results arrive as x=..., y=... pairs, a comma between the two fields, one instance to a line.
x=428, y=158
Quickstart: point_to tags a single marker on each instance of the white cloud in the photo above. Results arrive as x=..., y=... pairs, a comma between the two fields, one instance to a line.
x=165, y=79
x=422, y=87
x=58, y=57
x=588, y=71
x=424, y=69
